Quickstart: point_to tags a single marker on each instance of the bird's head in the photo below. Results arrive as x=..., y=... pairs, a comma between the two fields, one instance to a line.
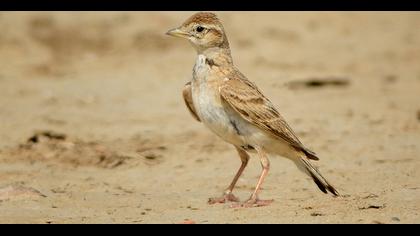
x=204, y=30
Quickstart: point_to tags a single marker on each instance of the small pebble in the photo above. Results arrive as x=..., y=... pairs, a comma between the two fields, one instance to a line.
x=316, y=214
x=377, y=222
x=395, y=219
x=188, y=222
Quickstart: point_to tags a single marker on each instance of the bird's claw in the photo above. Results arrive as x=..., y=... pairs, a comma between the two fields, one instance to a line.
x=252, y=202
x=228, y=197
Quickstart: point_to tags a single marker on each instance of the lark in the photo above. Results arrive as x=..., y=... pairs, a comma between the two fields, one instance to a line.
x=233, y=108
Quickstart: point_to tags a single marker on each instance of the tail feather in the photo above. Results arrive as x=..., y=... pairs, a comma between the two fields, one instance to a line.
x=319, y=180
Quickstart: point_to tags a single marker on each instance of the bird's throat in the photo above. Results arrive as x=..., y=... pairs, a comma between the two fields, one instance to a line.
x=217, y=56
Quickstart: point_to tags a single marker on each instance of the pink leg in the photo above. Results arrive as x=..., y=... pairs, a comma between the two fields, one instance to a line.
x=253, y=201
x=228, y=195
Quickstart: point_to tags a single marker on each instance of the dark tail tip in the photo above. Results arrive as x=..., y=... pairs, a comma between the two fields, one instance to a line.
x=324, y=187
x=318, y=183
x=333, y=190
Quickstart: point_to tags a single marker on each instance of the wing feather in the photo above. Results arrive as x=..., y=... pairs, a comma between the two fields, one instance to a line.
x=187, y=94
x=246, y=99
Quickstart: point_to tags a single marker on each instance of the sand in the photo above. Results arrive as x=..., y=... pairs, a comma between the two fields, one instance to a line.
x=93, y=128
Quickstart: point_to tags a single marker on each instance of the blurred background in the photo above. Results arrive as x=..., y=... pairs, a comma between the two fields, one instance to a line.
x=93, y=127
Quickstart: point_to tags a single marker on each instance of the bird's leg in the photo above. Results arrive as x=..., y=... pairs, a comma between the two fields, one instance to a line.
x=227, y=194
x=253, y=201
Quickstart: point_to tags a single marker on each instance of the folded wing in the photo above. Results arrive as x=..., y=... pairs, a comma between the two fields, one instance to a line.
x=246, y=99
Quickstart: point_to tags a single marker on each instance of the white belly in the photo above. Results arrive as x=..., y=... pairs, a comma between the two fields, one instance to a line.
x=210, y=111
x=215, y=117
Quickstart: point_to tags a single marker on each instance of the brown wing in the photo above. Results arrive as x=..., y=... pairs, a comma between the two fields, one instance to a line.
x=186, y=93
x=245, y=98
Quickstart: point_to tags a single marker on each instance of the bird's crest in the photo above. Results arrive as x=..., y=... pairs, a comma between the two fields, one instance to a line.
x=203, y=18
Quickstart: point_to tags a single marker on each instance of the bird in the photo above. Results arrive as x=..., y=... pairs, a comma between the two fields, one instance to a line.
x=236, y=110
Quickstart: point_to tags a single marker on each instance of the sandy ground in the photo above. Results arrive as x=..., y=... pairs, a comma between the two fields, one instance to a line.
x=93, y=128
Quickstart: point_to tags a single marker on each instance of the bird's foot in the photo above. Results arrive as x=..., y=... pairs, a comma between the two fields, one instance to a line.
x=227, y=197
x=252, y=202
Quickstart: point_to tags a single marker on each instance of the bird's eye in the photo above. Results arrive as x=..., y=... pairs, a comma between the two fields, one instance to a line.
x=199, y=29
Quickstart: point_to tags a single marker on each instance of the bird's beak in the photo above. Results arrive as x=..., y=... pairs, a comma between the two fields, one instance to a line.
x=177, y=33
